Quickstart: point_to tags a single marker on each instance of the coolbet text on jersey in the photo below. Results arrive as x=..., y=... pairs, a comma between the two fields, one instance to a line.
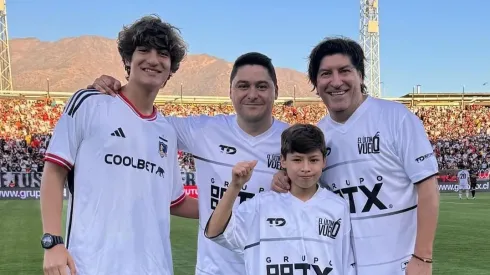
x=218, y=143
x=123, y=178
x=374, y=161
x=281, y=235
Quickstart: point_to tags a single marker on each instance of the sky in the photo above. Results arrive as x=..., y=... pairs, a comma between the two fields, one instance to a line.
x=442, y=45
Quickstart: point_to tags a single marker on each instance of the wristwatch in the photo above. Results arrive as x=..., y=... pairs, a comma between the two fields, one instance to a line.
x=49, y=241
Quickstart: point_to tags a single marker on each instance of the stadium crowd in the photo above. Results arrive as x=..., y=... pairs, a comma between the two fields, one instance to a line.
x=459, y=136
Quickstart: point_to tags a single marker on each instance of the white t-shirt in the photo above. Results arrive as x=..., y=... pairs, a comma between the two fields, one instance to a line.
x=123, y=178
x=374, y=161
x=218, y=144
x=280, y=234
x=464, y=177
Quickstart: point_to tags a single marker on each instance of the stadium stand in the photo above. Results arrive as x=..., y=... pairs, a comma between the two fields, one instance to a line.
x=459, y=136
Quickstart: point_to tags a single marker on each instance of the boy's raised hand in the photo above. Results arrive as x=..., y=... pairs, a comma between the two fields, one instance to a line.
x=242, y=172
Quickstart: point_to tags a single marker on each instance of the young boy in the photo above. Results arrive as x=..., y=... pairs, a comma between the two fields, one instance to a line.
x=304, y=231
x=119, y=156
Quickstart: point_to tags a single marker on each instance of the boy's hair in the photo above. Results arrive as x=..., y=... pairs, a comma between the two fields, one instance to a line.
x=151, y=32
x=331, y=46
x=254, y=58
x=303, y=139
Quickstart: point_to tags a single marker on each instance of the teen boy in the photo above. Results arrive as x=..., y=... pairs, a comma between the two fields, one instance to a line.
x=119, y=156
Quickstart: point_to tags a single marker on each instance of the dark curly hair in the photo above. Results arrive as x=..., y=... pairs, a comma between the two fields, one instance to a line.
x=152, y=32
x=336, y=45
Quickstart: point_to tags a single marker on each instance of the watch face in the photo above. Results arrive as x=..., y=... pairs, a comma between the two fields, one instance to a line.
x=47, y=241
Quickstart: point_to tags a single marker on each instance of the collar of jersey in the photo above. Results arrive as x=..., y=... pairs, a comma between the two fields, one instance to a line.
x=251, y=140
x=344, y=127
x=297, y=200
x=150, y=117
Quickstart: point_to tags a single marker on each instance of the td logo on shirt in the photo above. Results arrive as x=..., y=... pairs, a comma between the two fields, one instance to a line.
x=227, y=149
x=291, y=268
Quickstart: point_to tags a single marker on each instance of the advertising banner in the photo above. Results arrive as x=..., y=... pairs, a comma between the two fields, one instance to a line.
x=26, y=193
x=26, y=186
x=448, y=181
x=190, y=187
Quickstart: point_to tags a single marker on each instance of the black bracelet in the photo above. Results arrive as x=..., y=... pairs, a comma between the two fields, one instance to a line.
x=429, y=261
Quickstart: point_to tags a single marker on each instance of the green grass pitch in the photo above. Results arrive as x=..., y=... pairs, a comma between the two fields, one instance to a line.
x=462, y=242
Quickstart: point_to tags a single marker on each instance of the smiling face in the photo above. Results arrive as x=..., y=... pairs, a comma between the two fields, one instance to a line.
x=339, y=84
x=253, y=93
x=336, y=70
x=150, y=67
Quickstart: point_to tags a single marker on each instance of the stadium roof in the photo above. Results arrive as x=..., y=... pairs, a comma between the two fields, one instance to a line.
x=445, y=95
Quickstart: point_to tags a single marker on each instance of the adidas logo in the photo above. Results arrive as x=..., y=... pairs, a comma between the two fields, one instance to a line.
x=118, y=133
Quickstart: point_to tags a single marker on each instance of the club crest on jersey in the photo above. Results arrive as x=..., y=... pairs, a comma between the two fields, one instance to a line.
x=162, y=147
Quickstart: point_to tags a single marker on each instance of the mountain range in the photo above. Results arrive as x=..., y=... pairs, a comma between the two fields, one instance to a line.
x=73, y=63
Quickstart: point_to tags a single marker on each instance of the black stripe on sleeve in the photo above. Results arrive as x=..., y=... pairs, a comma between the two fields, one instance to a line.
x=79, y=103
x=73, y=99
x=424, y=179
x=71, y=189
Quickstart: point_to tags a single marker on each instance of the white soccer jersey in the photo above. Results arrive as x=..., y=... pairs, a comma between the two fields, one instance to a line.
x=464, y=178
x=374, y=161
x=218, y=144
x=280, y=234
x=123, y=178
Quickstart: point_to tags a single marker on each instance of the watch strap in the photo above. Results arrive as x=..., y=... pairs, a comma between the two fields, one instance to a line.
x=57, y=240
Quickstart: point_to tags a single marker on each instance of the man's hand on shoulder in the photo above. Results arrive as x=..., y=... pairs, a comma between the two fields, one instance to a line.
x=281, y=182
x=106, y=85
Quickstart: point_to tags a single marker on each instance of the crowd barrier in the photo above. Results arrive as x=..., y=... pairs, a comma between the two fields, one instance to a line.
x=448, y=181
x=16, y=185
x=22, y=186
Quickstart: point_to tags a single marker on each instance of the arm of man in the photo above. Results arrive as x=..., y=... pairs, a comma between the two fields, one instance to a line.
x=418, y=158
x=60, y=157
x=52, y=183
x=188, y=208
x=106, y=84
x=185, y=127
x=427, y=216
x=281, y=182
x=181, y=205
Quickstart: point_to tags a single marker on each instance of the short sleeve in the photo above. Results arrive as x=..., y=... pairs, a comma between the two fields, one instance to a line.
x=70, y=130
x=414, y=149
x=187, y=128
x=239, y=228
